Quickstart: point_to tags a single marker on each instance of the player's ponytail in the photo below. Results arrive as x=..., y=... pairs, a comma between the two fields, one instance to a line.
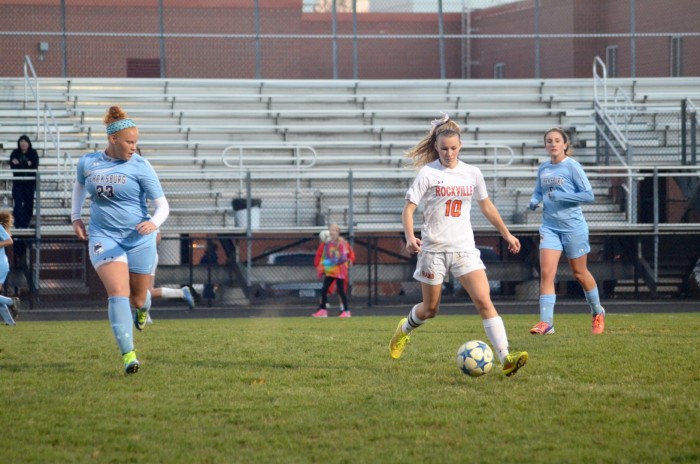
x=424, y=152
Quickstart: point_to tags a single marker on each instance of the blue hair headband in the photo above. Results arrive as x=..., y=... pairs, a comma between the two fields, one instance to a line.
x=116, y=126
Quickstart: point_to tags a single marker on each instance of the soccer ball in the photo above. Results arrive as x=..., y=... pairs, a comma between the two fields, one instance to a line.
x=475, y=358
x=324, y=236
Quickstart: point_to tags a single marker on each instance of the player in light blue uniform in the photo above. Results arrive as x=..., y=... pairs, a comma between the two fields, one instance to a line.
x=122, y=239
x=9, y=307
x=561, y=187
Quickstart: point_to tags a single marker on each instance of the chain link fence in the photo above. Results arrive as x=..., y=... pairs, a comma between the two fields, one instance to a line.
x=362, y=39
x=262, y=252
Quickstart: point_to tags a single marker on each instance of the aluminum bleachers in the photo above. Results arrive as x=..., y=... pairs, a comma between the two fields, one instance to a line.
x=294, y=127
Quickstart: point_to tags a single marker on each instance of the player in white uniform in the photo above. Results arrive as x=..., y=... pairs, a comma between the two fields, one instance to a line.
x=122, y=239
x=446, y=185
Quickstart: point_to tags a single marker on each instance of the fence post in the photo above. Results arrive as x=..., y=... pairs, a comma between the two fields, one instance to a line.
x=334, y=27
x=684, y=135
x=370, y=255
x=537, y=39
x=64, y=43
x=249, y=231
x=656, y=226
x=693, y=138
x=355, y=59
x=441, y=33
x=633, y=42
x=161, y=26
x=257, y=39
x=351, y=205
x=37, y=236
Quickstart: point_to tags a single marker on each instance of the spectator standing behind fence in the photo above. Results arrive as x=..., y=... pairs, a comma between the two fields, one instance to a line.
x=561, y=186
x=24, y=157
x=9, y=307
x=446, y=186
x=324, y=236
x=122, y=238
x=334, y=260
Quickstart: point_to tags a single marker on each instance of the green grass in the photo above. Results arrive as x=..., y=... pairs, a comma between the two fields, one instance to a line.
x=309, y=390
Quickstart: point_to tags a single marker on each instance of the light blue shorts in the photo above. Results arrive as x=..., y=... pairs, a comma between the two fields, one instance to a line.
x=139, y=254
x=4, y=268
x=432, y=267
x=573, y=245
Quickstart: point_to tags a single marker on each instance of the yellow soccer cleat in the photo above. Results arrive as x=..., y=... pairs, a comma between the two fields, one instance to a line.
x=140, y=319
x=398, y=341
x=514, y=361
x=131, y=364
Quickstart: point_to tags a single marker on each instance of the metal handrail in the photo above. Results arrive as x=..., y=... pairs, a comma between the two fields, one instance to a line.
x=52, y=131
x=597, y=62
x=299, y=162
x=622, y=110
x=28, y=66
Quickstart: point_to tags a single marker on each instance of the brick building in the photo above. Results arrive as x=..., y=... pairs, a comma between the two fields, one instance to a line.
x=219, y=39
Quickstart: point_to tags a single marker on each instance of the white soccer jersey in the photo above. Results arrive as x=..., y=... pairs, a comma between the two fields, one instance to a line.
x=447, y=195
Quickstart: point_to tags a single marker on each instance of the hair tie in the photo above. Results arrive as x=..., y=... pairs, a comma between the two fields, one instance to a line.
x=122, y=124
x=435, y=123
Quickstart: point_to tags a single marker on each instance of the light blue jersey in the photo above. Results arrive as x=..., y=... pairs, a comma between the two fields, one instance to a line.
x=562, y=187
x=4, y=263
x=118, y=192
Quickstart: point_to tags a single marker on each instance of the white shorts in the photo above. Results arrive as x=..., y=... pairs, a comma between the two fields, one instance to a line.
x=432, y=267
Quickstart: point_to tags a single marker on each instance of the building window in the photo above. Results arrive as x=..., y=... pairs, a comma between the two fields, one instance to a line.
x=676, y=56
x=611, y=60
x=499, y=70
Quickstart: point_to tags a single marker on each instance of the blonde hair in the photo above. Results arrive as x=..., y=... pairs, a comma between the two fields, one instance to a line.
x=424, y=152
x=114, y=114
x=569, y=151
x=6, y=220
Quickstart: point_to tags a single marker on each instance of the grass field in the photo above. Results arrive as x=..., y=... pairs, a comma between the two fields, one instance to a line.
x=309, y=390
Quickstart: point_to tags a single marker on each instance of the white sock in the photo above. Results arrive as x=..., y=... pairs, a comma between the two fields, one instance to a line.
x=412, y=321
x=171, y=293
x=496, y=332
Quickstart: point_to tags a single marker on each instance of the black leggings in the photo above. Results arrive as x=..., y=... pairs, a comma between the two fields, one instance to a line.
x=340, y=288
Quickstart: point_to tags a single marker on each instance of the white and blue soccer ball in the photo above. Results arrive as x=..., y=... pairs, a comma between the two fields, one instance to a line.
x=475, y=358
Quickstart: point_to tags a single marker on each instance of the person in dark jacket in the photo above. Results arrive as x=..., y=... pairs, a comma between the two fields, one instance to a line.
x=24, y=158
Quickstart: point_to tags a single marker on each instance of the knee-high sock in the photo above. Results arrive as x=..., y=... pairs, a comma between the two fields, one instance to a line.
x=547, y=308
x=167, y=293
x=412, y=321
x=593, y=300
x=119, y=311
x=5, y=314
x=496, y=331
x=6, y=301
